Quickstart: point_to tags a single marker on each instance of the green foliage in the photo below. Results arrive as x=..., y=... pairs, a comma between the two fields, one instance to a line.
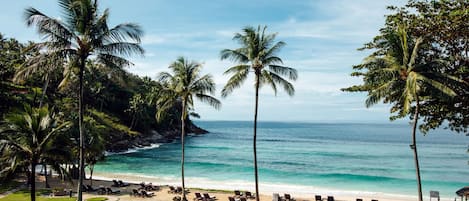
x=23, y=195
x=9, y=185
x=183, y=86
x=97, y=199
x=258, y=53
x=110, y=123
x=436, y=72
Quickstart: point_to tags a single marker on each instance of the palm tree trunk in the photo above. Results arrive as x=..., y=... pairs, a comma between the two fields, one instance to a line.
x=91, y=174
x=81, y=165
x=183, y=119
x=255, y=137
x=132, y=122
x=45, y=176
x=44, y=89
x=414, y=148
x=33, y=179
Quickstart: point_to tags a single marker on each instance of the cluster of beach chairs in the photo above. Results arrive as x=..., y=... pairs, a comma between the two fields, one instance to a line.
x=240, y=196
x=145, y=190
x=285, y=197
x=288, y=197
x=205, y=197
x=101, y=190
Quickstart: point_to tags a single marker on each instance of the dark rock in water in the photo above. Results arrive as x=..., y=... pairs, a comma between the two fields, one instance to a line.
x=196, y=130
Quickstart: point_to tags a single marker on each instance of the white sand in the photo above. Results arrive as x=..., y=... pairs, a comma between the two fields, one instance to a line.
x=298, y=192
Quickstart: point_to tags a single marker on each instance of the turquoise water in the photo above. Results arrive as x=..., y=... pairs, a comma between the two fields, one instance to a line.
x=352, y=157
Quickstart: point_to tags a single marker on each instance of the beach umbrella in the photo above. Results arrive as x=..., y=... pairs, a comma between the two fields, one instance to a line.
x=463, y=192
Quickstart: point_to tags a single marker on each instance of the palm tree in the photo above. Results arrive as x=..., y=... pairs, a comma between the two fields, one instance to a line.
x=43, y=63
x=258, y=53
x=28, y=133
x=82, y=33
x=182, y=87
x=399, y=78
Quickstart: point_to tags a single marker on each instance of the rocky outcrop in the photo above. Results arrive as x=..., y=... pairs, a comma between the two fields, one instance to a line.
x=149, y=138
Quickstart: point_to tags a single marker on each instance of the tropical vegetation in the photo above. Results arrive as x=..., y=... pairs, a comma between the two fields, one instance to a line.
x=84, y=32
x=258, y=54
x=23, y=195
x=180, y=89
x=68, y=99
x=416, y=72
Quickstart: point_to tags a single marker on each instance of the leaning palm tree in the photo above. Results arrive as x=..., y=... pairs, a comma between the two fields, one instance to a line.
x=258, y=54
x=179, y=90
x=28, y=134
x=43, y=63
x=397, y=77
x=84, y=32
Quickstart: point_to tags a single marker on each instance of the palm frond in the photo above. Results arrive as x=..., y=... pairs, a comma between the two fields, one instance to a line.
x=124, y=32
x=210, y=100
x=287, y=86
x=237, y=55
x=235, y=82
x=122, y=48
x=291, y=73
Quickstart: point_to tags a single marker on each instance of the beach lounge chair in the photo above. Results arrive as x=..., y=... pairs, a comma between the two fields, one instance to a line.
x=208, y=198
x=243, y=199
x=249, y=195
x=318, y=198
x=101, y=190
x=198, y=197
x=151, y=187
x=288, y=197
x=147, y=194
x=116, y=184
x=122, y=184
x=374, y=200
x=89, y=188
x=111, y=192
x=136, y=193
x=330, y=198
x=276, y=197
x=359, y=199
x=237, y=193
x=172, y=189
x=85, y=189
x=231, y=199
x=179, y=190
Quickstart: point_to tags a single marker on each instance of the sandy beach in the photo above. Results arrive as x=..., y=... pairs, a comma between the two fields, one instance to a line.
x=221, y=194
x=223, y=191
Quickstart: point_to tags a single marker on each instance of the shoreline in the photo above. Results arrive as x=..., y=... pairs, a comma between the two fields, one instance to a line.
x=267, y=189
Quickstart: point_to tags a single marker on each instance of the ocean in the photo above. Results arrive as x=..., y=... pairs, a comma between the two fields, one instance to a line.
x=304, y=157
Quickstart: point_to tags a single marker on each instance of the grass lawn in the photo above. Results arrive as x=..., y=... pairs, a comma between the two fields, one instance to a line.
x=8, y=186
x=23, y=195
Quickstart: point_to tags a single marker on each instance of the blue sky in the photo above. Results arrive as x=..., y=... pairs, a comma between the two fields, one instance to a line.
x=321, y=35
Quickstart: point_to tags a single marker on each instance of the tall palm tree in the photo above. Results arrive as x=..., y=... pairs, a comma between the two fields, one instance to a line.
x=179, y=90
x=28, y=133
x=82, y=33
x=397, y=77
x=258, y=54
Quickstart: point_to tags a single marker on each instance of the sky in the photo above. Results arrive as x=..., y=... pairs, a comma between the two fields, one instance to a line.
x=322, y=38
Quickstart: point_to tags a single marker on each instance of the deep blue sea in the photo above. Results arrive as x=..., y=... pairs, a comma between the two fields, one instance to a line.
x=349, y=157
